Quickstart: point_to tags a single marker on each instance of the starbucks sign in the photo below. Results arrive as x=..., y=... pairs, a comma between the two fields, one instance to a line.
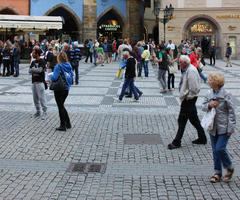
x=109, y=27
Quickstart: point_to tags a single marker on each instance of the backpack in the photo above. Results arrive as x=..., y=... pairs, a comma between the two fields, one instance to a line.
x=165, y=62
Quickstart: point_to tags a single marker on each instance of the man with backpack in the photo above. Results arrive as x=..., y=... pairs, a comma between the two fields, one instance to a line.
x=75, y=56
x=163, y=67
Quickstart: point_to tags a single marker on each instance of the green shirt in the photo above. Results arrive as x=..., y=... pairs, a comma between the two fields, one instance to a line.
x=100, y=50
x=160, y=55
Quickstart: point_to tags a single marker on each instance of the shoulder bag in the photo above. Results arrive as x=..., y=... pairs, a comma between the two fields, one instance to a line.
x=60, y=84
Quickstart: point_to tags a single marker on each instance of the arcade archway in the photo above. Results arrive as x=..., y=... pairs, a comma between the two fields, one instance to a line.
x=110, y=25
x=71, y=24
x=203, y=30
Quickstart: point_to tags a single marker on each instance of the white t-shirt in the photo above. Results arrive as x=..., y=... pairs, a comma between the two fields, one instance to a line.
x=172, y=46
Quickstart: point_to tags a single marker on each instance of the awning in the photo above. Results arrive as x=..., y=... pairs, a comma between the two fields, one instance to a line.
x=30, y=22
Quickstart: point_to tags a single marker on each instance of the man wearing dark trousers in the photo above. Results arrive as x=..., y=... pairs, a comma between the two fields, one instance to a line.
x=189, y=88
x=75, y=56
x=212, y=54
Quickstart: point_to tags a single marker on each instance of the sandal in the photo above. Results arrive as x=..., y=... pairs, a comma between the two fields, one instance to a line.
x=216, y=178
x=228, y=176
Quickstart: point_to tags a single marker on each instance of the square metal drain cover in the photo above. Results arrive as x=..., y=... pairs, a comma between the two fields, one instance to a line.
x=142, y=139
x=87, y=167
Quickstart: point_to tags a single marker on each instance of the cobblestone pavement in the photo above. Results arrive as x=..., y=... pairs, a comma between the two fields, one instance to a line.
x=34, y=158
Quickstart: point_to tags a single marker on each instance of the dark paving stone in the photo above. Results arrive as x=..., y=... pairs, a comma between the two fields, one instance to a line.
x=142, y=139
x=116, y=84
x=112, y=91
x=107, y=101
x=87, y=167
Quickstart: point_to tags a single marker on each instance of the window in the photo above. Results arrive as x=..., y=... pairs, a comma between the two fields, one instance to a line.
x=232, y=41
x=147, y=3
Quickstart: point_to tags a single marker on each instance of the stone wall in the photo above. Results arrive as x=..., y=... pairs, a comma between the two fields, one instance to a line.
x=134, y=24
x=19, y=7
x=89, y=19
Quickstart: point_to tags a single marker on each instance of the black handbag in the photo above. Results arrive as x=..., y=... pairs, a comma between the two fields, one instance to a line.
x=60, y=84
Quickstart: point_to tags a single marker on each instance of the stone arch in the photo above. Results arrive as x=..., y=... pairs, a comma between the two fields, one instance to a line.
x=203, y=17
x=76, y=21
x=9, y=10
x=213, y=22
x=112, y=12
x=114, y=9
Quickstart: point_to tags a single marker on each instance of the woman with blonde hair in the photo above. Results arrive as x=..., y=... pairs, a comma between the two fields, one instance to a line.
x=65, y=69
x=223, y=125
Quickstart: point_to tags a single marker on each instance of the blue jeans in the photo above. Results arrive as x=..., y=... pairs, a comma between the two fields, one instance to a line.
x=95, y=58
x=16, y=67
x=129, y=82
x=162, y=77
x=203, y=77
x=137, y=90
x=140, y=65
x=220, y=155
x=146, y=68
x=75, y=68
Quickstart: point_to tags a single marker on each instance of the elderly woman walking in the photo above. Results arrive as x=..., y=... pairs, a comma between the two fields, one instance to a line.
x=223, y=126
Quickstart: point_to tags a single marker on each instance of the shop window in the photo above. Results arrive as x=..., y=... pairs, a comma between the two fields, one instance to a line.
x=201, y=27
x=232, y=41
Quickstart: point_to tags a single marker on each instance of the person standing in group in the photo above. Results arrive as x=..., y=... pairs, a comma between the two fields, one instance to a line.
x=110, y=51
x=171, y=69
x=201, y=64
x=95, y=46
x=90, y=51
x=189, y=88
x=141, y=64
x=16, y=58
x=228, y=55
x=115, y=50
x=146, y=56
x=120, y=52
x=6, y=56
x=37, y=69
x=75, y=57
x=100, y=54
x=163, y=67
x=171, y=45
x=130, y=74
x=1, y=60
x=183, y=52
x=212, y=54
x=63, y=67
x=105, y=49
x=223, y=126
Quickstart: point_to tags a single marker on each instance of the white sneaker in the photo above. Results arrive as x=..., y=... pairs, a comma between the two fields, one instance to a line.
x=117, y=99
x=44, y=116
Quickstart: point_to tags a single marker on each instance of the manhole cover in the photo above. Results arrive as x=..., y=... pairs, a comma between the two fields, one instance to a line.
x=79, y=167
x=142, y=139
x=87, y=167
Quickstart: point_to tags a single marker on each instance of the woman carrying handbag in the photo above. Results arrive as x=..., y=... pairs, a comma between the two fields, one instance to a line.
x=63, y=69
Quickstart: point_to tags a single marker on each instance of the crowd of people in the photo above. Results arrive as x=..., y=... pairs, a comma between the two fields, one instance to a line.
x=58, y=63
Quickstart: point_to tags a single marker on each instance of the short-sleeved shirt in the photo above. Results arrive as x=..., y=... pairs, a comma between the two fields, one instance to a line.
x=159, y=55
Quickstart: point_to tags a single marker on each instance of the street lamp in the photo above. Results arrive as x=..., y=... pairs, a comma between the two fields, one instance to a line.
x=168, y=13
x=157, y=7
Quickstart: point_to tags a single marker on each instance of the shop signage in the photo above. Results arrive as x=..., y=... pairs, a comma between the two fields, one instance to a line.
x=228, y=16
x=109, y=27
x=201, y=28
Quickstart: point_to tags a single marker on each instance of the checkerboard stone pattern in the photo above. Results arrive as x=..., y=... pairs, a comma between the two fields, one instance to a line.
x=34, y=158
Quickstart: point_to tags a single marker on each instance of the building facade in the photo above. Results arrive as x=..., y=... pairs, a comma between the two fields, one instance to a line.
x=14, y=7
x=85, y=19
x=204, y=21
